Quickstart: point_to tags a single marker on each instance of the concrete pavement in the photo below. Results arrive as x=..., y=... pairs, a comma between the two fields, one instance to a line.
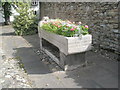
x=99, y=73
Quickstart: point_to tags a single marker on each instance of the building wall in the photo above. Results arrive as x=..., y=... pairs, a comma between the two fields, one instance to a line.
x=102, y=19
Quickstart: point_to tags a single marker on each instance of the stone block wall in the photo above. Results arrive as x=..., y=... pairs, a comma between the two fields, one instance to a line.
x=102, y=19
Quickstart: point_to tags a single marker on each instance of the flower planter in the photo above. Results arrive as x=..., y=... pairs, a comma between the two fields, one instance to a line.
x=72, y=49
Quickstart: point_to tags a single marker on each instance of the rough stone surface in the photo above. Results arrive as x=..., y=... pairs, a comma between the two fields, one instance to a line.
x=102, y=18
x=12, y=74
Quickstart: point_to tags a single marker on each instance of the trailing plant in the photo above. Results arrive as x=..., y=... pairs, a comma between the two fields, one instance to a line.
x=26, y=22
x=65, y=28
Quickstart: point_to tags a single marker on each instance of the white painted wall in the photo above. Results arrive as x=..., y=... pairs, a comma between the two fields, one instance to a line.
x=1, y=16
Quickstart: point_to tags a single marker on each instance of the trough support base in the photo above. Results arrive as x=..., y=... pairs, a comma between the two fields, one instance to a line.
x=66, y=62
x=72, y=61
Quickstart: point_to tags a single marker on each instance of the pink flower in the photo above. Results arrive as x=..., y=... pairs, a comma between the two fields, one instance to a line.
x=72, y=29
x=86, y=26
x=59, y=26
x=75, y=27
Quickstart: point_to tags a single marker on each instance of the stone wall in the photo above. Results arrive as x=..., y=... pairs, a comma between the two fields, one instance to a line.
x=102, y=19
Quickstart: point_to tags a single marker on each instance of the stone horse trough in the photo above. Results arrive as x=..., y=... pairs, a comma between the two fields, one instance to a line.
x=71, y=50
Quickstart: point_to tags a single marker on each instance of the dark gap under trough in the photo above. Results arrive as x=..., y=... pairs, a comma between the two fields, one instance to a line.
x=51, y=48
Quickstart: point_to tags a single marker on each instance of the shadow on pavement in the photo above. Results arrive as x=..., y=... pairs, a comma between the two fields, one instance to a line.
x=101, y=73
x=31, y=61
x=8, y=34
x=33, y=40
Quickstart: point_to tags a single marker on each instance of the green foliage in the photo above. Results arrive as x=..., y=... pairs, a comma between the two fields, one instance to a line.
x=84, y=30
x=65, y=28
x=26, y=22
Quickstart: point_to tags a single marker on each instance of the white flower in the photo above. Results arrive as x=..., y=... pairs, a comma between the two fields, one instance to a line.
x=64, y=23
x=74, y=22
x=45, y=19
x=80, y=23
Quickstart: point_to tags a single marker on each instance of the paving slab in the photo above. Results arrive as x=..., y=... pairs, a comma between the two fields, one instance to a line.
x=47, y=81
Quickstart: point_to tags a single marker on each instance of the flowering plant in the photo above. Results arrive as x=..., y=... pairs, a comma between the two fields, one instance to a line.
x=65, y=28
